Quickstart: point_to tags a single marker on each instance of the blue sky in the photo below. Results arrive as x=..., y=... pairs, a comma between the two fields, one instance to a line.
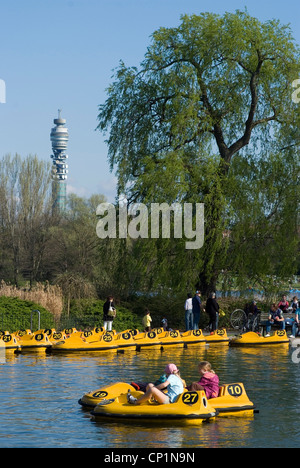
x=61, y=54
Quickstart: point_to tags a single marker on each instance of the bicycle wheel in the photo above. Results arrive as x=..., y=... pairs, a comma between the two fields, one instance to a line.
x=238, y=319
x=256, y=324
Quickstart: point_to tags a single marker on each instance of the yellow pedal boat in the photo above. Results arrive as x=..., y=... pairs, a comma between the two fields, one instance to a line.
x=232, y=400
x=37, y=341
x=145, y=340
x=253, y=339
x=193, y=337
x=219, y=336
x=77, y=342
x=190, y=407
x=91, y=399
x=10, y=342
x=171, y=338
x=124, y=340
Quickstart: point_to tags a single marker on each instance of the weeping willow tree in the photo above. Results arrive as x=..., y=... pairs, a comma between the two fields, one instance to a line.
x=207, y=112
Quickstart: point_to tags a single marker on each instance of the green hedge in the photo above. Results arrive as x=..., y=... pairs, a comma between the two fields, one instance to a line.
x=88, y=313
x=15, y=314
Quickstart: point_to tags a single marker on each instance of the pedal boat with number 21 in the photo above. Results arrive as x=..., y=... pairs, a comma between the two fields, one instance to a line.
x=9, y=342
x=253, y=339
x=232, y=401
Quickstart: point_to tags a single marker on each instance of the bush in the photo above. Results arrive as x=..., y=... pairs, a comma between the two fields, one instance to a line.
x=88, y=313
x=15, y=314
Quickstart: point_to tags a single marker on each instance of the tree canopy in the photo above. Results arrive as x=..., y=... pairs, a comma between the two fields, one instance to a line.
x=213, y=90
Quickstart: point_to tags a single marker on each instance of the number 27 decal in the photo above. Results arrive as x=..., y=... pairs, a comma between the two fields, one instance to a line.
x=190, y=398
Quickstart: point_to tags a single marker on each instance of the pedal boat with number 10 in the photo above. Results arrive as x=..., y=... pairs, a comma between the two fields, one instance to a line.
x=190, y=408
x=232, y=400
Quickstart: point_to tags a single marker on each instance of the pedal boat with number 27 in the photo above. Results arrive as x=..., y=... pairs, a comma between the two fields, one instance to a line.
x=253, y=339
x=190, y=408
x=232, y=401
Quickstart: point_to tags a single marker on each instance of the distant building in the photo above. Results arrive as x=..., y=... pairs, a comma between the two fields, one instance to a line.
x=59, y=138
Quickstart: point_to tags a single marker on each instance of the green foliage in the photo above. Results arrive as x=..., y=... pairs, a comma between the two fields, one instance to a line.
x=86, y=313
x=15, y=314
x=212, y=90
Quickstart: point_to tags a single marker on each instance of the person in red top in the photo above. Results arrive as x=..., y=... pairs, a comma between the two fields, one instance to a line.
x=283, y=304
x=209, y=381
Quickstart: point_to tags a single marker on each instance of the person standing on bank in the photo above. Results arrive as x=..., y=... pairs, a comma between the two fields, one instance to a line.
x=109, y=313
x=188, y=307
x=146, y=321
x=212, y=308
x=196, y=301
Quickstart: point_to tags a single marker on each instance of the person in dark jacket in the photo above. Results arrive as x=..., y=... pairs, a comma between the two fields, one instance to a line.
x=212, y=308
x=197, y=305
x=108, y=313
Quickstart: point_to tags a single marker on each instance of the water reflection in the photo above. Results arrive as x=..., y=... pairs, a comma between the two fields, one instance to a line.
x=39, y=394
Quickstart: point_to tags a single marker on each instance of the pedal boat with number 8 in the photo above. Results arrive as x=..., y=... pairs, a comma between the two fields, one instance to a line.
x=77, y=342
x=38, y=341
x=190, y=407
x=253, y=339
x=232, y=400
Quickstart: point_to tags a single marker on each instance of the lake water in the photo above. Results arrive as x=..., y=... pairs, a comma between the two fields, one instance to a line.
x=39, y=399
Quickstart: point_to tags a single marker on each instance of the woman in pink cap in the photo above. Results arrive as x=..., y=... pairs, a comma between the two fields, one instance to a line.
x=173, y=384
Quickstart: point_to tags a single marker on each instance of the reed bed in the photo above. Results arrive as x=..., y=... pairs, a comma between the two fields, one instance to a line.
x=47, y=295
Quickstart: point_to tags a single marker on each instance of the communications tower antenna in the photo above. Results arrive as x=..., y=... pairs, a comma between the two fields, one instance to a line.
x=59, y=138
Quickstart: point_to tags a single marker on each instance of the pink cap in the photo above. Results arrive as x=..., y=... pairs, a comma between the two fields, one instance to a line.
x=170, y=369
